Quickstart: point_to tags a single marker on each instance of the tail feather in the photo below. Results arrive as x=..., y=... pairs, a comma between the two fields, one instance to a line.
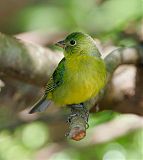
x=41, y=105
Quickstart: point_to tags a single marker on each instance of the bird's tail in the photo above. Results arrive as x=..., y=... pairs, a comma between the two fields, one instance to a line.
x=41, y=105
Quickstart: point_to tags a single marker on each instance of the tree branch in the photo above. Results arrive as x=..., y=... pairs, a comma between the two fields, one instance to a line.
x=26, y=62
x=120, y=56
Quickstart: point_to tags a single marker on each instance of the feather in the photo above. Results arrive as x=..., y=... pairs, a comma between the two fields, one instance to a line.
x=41, y=105
x=55, y=81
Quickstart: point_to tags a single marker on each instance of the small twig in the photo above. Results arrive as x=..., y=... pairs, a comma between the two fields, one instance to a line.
x=78, y=121
x=77, y=129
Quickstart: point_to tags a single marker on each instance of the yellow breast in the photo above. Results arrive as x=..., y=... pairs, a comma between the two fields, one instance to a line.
x=83, y=79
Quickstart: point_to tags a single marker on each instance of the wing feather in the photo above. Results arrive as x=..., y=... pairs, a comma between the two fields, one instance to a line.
x=55, y=81
x=57, y=78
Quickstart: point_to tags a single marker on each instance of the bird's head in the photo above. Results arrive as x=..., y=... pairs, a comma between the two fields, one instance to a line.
x=78, y=43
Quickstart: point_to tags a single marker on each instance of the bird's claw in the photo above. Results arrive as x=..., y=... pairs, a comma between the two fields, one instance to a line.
x=81, y=112
x=70, y=117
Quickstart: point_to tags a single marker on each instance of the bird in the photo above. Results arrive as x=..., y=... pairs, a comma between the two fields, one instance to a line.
x=79, y=76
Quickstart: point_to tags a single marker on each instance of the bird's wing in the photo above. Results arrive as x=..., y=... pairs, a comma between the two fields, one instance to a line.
x=55, y=81
x=57, y=78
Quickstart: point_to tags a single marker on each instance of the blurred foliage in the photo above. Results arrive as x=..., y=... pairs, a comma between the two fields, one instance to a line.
x=114, y=20
x=101, y=117
x=105, y=20
x=128, y=147
x=23, y=143
x=73, y=15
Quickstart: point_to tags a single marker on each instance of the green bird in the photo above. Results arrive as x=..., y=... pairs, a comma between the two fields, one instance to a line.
x=80, y=75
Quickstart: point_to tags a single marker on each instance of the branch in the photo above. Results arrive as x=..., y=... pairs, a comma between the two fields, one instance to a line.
x=78, y=122
x=26, y=62
x=120, y=56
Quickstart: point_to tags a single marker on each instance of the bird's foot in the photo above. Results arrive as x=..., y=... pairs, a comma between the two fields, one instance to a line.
x=79, y=110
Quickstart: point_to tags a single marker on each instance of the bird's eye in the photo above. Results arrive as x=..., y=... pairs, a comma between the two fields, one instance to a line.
x=72, y=42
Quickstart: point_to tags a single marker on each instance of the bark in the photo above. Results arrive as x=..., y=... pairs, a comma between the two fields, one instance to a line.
x=26, y=61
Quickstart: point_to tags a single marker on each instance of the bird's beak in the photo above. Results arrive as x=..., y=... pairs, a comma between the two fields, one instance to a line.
x=61, y=44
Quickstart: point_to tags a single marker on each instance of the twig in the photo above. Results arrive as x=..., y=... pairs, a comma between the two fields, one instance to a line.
x=78, y=121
